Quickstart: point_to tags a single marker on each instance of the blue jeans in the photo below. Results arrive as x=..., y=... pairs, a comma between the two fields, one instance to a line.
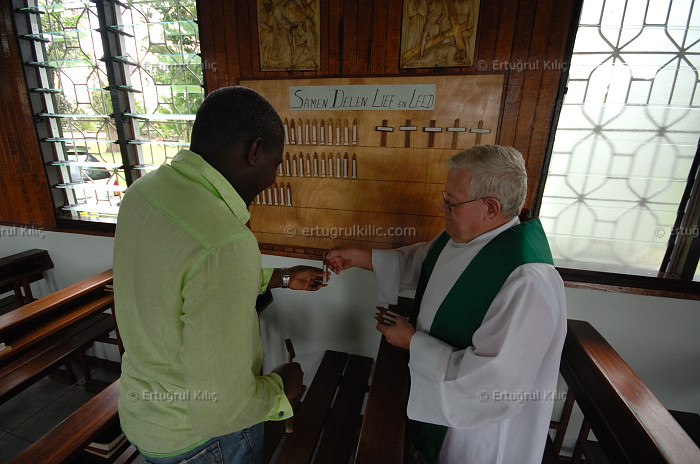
x=243, y=447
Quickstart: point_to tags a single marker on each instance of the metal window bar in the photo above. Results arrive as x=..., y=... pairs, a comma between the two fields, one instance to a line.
x=122, y=102
x=85, y=127
x=86, y=164
x=153, y=70
x=168, y=70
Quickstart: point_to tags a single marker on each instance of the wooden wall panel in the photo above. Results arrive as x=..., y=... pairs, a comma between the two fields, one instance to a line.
x=377, y=38
x=524, y=40
x=393, y=39
x=356, y=171
x=24, y=192
x=358, y=38
x=350, y=29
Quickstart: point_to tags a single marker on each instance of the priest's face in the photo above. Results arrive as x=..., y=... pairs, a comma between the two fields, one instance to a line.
x=464, y=216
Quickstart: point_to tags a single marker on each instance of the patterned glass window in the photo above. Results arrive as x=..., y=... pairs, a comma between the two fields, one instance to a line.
x=114, y=86
x=626, y=137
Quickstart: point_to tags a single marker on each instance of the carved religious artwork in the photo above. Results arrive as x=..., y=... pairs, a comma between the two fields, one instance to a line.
x=288, y=31
x=438, y=33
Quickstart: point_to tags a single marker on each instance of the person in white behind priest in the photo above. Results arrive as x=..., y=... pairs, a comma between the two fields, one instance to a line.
x=489, y=321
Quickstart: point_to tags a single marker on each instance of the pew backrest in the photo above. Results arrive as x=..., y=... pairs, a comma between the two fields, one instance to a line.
x=42, y=335
x=42, y=306
x=628, y=420
x=17, y=271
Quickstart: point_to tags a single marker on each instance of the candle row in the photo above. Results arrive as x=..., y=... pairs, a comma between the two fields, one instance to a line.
x=275, y=195
x=338, y=166
x=298, y=132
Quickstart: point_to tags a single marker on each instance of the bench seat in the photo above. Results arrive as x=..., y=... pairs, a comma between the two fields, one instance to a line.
x=326, y=430
x=384, y=422
x=326, y=423
x=65, y=442
x=51, y=353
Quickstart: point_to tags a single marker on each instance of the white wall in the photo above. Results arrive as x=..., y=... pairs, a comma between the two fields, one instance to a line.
x=658, y=337
x=75, y=256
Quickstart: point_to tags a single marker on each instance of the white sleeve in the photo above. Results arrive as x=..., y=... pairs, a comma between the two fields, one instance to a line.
x=459, y=388
x=398, y=269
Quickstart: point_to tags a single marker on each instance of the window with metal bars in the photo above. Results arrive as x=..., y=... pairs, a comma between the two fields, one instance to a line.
x=625, y=153
x=114, y=86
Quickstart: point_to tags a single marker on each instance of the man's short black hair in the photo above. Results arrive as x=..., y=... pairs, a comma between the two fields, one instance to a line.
x=234, y=115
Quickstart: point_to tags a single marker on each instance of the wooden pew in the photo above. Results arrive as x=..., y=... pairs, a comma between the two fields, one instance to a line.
x=19, y=270
x=323, y=429
x=629, y=422
x=43, y=334
x=384, y=422
x=65, y=442
x=326, y=430
x=326, y=422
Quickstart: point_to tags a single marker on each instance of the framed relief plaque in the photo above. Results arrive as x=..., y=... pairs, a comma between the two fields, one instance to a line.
x=288, y=31
x=438, y=33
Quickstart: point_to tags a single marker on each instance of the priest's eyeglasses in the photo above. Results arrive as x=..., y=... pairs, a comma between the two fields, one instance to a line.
x=454, y=205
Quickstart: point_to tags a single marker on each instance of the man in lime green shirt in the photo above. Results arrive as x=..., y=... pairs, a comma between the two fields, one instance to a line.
x=187, y=272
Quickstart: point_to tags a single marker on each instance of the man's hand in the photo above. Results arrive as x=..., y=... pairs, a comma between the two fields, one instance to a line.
x=397, y=330
x=307, y=278
x=292, y=379
x=301, y=278
x=340, y=259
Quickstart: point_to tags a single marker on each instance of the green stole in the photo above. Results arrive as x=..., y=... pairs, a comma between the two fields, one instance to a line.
x=464, y=307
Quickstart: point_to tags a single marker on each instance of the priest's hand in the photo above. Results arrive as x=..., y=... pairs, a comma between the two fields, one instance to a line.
x=398, y=331
x=340, y=259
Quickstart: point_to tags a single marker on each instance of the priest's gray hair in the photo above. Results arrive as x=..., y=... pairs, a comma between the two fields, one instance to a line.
x=497, y=172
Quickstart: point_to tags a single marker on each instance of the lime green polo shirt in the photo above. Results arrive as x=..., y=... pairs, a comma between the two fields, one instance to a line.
x=187, y=272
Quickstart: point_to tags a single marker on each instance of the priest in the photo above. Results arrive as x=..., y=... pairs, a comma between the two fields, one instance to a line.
x=489, y=321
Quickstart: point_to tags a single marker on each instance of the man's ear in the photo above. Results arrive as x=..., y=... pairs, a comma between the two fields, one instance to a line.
x=255, y=151
x=493, y=208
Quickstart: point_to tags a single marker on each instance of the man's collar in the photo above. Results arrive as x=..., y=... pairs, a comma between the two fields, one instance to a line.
x=194, y=167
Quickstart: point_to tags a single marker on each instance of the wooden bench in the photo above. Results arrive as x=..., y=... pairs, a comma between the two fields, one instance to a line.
x=17, y=271
x=65, y=442
x=325, y=431
x=629, y=422
x=43, y=334
x=384, y=422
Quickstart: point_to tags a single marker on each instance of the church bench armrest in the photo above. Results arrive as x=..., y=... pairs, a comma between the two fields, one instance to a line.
x=629, y=422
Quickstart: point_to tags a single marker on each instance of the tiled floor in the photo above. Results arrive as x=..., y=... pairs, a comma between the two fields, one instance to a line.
x=28, y=416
